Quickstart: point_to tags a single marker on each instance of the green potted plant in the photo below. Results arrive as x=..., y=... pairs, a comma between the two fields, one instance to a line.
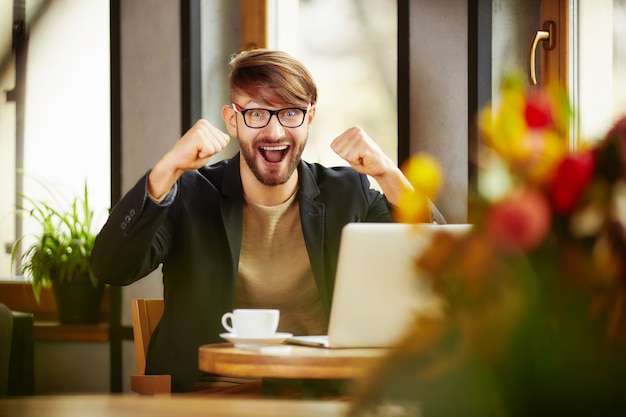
x=59, y=257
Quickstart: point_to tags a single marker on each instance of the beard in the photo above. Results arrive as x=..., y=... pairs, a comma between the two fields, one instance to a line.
x=272, y=176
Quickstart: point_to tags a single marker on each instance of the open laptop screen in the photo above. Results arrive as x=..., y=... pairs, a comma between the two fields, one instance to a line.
x=378, y=287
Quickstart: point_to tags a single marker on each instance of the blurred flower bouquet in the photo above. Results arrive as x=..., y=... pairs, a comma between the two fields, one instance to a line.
x=536, y=293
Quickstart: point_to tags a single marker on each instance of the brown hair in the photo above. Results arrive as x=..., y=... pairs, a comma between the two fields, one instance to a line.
x=271, y=77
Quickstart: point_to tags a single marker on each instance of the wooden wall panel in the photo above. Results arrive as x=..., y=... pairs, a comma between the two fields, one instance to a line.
x=253, y=24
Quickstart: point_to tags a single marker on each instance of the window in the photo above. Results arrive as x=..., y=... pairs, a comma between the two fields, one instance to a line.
x=598, y=64
x=353, y=58
x=64, y=136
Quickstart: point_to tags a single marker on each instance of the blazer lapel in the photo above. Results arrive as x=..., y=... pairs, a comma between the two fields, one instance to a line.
x=312, y=217
x=232, y=211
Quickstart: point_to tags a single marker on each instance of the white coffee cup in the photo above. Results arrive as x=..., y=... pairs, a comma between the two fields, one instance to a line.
x=252, y=322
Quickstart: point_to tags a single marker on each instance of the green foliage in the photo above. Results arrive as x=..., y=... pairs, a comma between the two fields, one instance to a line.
x=62, y=248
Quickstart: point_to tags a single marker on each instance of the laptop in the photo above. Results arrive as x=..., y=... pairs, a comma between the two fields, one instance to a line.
x=378, y=288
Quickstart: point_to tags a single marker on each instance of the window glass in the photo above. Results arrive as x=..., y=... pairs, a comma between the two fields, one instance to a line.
x=619, y=58
x=350, y=47
x=66, y=138
x=599, y=64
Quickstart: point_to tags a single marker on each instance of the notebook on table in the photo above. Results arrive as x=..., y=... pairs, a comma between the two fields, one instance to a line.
x=378, y=288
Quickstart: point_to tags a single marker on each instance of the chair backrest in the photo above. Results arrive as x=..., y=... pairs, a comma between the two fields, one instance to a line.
x=146, y=315
x=6, y=336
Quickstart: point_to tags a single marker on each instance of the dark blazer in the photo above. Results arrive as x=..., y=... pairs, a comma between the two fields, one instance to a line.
x=197, y=239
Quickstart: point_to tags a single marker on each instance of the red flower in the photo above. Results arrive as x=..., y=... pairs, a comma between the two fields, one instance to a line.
x=520, y=221
x=571, y=178
x=538, y=111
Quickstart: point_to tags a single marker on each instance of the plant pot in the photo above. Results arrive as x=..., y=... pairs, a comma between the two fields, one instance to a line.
x=78, y=301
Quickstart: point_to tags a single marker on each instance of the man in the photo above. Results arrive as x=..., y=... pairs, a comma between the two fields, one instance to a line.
x=259, y=230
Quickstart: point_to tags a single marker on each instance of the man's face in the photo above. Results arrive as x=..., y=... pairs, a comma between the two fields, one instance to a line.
x=272, y=152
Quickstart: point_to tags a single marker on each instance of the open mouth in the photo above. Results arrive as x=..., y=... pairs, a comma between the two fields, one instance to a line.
x=274, y=153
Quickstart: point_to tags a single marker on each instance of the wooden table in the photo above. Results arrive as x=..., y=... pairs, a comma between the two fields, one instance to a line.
x=287, y=361
x=188, y=406
x=286, y=370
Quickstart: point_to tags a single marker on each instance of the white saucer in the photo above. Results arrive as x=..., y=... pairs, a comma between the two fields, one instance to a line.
x=275, y=339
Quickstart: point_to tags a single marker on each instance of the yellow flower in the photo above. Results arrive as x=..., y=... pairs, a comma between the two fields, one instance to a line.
x=537, y=155
x=425, y=175
x=526, y=130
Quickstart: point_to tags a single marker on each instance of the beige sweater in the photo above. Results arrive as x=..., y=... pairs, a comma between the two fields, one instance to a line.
x=274, y=268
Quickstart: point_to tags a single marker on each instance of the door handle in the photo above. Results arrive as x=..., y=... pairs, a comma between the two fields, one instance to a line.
x=547, y=36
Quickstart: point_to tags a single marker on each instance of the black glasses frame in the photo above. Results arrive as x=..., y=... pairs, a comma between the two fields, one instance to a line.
x=243, y=112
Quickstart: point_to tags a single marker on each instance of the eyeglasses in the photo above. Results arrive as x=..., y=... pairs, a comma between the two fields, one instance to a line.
x=259, y=118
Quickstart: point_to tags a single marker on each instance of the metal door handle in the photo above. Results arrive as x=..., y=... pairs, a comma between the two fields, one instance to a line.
x=547, y=34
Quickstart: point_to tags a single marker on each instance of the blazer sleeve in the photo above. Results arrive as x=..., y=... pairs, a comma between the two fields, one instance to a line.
x=379, y=209
x=134, y=240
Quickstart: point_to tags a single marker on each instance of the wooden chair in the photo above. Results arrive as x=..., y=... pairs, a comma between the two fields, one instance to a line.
x=146, y=315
